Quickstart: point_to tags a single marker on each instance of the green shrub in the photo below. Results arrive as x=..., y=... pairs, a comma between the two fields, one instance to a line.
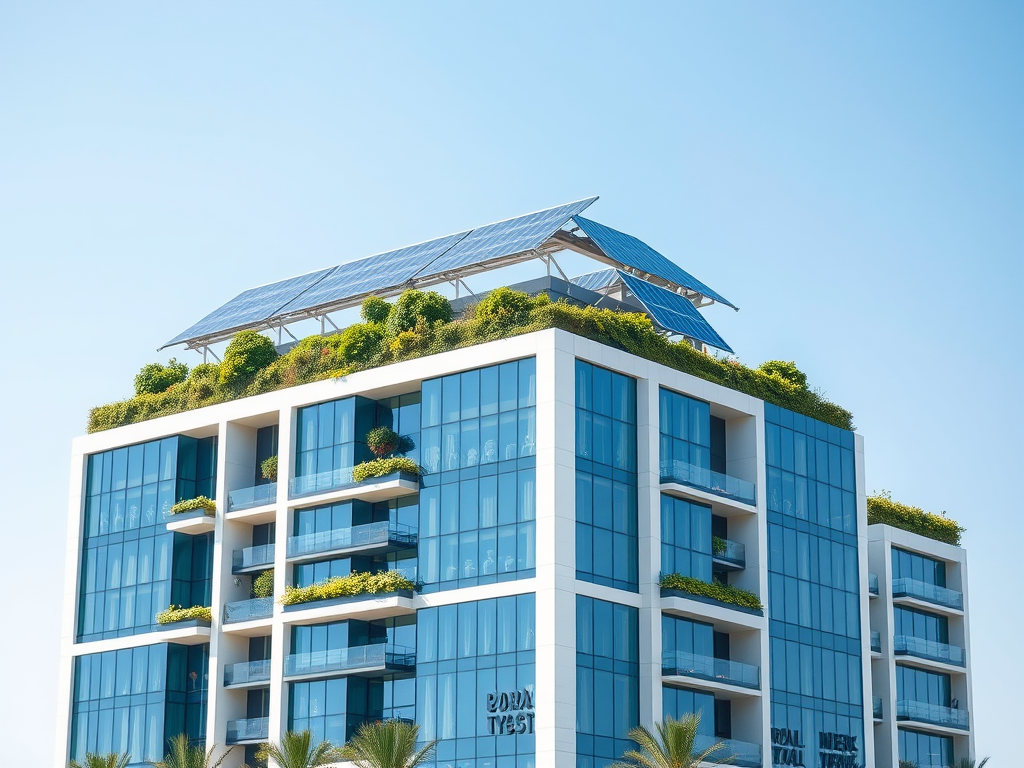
x=155, y=378
x=177, y=613
x=268, y=468
x=375, y=310
x=199, y=502
x=413, y=306
x=422, y=329
x=382, y=467
x=263, y=585
x=359, y=343
x=247, y=354
x=723, y=593
x=718, y=545
x=382, y=441
x=348, y=586
x=883, y=510
x=786, y=371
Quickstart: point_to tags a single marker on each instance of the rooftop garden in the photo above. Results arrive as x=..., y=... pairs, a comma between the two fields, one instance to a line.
x=421, y=323
x=884, y=511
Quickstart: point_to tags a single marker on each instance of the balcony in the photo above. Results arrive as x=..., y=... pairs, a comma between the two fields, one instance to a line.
x=728, y=555
x=373, y=489
x=929, y=593
x=740, y=753
x=932, y=714
x=373, y=538
x=876, y=642
x=683, y=664
x=873, y=585
x=257, y=496
x=246, y=673
x=249, y=610
x=706, y=480
x=876, y=708
x=363, y=660
x=907, y=645
x=252, y=559
x=250, y=731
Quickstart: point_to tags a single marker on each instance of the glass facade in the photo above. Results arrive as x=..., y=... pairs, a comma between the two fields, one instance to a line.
x=678, y=702
x=132, y=568
x=814, y=605
x=925, y=750
x=910, y=565
x=606, y=495
x=686, y=538
x=135, y=699
x=920, y=624
x=685, y=426
x=607, y=680
x=923, y=686
x=477, y=506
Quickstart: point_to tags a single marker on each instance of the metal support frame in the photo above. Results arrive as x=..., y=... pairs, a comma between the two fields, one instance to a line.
x=207, y=351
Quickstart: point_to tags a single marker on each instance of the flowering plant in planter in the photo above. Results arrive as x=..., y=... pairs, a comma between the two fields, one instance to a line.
x=382, y=441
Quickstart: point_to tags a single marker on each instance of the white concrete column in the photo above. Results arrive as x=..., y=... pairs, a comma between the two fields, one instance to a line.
x=556, y=552
x=278, y=636
x=648, y=476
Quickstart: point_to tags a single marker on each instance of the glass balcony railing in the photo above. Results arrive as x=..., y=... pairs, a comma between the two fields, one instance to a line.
x=873, y=584
x=247, y=610
x=906, y=645
x=729, y=553
x=247, y=498
x=876, y=641
x=250, y=729
x=363, y=657
x=740, y=753
x=934, y=714
x=370, y=535
x=252, y=557
x=707, y=668
x=948, y=598
x=876, y=707
x=330, y=481
x=247, y=672
x=706, y=480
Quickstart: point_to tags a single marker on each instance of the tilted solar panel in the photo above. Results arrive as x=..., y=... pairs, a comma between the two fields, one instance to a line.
x=505, y=238
x=673, y=312
x=374, y=273
x=595, y=281
x=638, y=255
x=251, y=306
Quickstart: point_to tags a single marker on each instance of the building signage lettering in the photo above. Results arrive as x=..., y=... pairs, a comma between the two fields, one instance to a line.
x=787, y=747
x=837, y=750
x=510, y=713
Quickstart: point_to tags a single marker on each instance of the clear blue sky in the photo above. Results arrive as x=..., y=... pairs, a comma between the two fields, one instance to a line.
x=850, y=174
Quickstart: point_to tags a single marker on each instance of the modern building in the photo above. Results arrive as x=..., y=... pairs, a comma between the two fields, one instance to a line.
x=561, y=479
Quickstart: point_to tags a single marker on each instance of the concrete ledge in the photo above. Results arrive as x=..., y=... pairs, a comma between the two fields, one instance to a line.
x=194, y=522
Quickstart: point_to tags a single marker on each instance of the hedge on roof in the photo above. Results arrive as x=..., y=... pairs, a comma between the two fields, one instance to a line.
x=716, y=590
x=382, y=583
x=177, y=613
x=883, y=510
x=420, y=324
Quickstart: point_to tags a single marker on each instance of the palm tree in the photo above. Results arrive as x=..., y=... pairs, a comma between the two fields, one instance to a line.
x=297, y=750
x=970, y=762
x=674, y=747
x=109, y=760
x=387, y=744
x=183, y=754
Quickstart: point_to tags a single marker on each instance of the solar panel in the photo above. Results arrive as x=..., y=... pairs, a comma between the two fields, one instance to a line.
x=595, y=281
x=505, y=238
x=638, y=255
x=374, y=273
x=251, y=306
x=673, y=312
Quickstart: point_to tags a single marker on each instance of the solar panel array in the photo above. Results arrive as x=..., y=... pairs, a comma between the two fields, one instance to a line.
x=595, y=281
x=634, y=253
x=673, y=312
x=392, y=270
